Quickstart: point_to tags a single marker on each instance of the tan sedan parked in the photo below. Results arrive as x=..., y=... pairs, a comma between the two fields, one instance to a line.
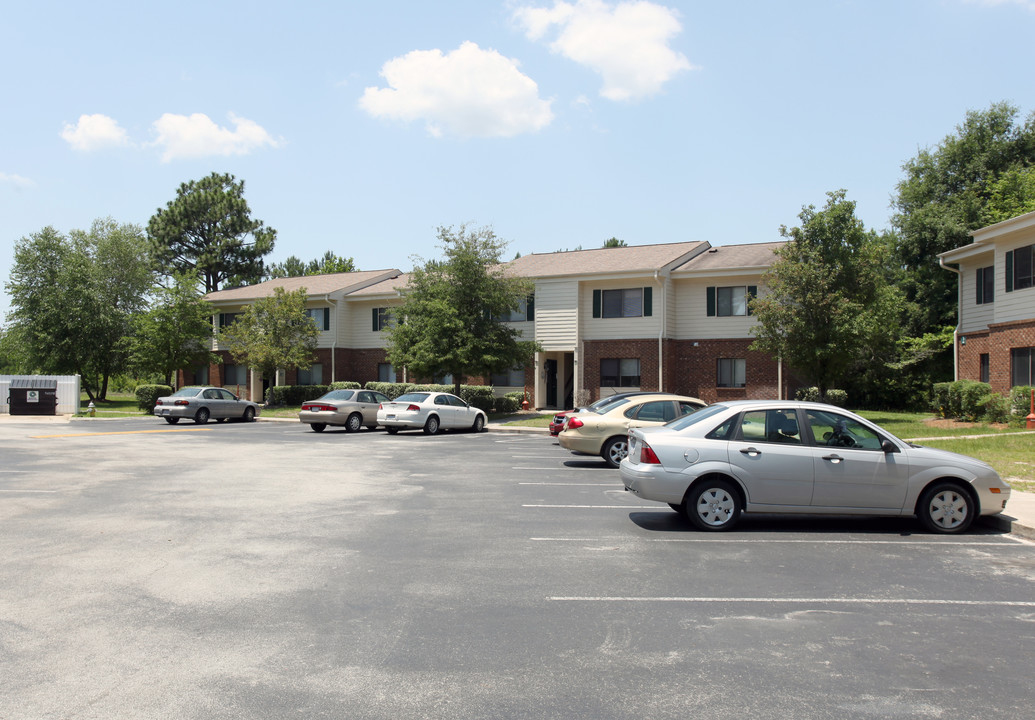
x=349, y=408
x=605, y=431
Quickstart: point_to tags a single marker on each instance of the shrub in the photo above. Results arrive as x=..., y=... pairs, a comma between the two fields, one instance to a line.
x=345, y=385
x=148, y=394
x=1020, y=400
x=811, y=394
x=940, y=399
x=480, y=396
x=293, y=394
x=996, y=408
x=965, y=399
x=507, y=404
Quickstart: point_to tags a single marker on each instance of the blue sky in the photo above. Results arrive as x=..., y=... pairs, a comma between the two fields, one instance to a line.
x=362, y=127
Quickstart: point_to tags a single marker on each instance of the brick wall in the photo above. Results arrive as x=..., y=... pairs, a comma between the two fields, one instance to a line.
x=996, y=342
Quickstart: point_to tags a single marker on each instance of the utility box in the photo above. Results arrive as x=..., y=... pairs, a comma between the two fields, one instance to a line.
x=33, y=397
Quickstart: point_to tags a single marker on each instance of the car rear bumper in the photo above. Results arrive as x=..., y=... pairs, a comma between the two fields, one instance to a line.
x=314, y=417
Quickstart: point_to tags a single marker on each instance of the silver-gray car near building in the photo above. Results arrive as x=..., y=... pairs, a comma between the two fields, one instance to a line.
x=203, y=403
x=803, y=458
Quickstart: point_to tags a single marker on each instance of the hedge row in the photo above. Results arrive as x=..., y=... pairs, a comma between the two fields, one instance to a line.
x=971, y=400
x=812, y=394
x=480, y=396
x=147, y=395
x=294, y=394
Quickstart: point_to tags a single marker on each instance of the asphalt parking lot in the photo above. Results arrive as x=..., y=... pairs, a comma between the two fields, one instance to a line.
x=266, y=571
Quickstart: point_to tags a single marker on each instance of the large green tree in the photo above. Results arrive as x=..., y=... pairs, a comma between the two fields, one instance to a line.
x=829, y=306
x=175, y=333
x=944, y=195
x=447, y=320
x=296, y=267
x=209, y=228
x=273, y=332
x=72, y=298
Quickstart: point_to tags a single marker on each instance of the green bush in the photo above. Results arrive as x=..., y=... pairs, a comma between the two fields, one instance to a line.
x=996, y=408
x=966, y=399
x=940, y=399
x=833, y=397
x=345, y=385
x=480, y=396
x=148, y=394
x=293, y=394
x=507, y=404
x=1020, y=400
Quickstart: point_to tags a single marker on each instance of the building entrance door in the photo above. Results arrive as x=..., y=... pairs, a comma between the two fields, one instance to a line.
x=551, y=383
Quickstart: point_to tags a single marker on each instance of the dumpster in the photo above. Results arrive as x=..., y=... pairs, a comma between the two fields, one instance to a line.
x=33, y=396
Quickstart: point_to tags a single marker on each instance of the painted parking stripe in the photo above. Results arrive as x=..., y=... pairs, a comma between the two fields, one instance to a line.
x=125, y=432
x=800, y=601
x=22, y=492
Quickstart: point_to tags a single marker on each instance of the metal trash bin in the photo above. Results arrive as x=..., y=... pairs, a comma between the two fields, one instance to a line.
x=33, y=397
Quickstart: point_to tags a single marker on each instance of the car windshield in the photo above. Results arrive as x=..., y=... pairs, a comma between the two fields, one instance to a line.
x=693, y=418
x=608, y=406
x=186, y=392
x=338, y=395
x=413, y=397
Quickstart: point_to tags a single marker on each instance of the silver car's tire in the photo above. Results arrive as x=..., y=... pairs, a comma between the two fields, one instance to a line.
x=249, y=415
x=946, y=507
x=432, y=425
x=354, y=422
x=318, y=427
x=201, y=416
x=392, y=430
x=479, y=424
x=615, y=450
x=713, y=505
x=172, y=421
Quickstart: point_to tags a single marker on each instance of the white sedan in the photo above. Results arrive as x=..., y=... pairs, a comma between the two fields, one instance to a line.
x=430, y=411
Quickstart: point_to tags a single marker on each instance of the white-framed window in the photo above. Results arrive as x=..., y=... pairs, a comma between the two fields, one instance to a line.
x=227, y=319
x=320, y=316
x=380, y=318
x=731, y=373
x=201, y=375
x=620, y=372
x=385, y=372
x=235, y=375
x=311, y=375
x=513, y=378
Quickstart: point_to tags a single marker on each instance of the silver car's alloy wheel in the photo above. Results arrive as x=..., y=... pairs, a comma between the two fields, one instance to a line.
x=946, y=508
x=615, y=451
x=713, y=506
x=354, y=423
x=431, y=426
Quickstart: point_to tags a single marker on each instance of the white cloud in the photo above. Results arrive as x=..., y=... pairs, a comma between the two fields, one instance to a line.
x=469, y=92
x=193, y=136
x=626, y=43
x=17, y=180
x=94, y=132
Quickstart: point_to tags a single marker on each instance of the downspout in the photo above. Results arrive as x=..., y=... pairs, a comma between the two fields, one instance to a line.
x=334, y=345
x=661, y=335
x=959, y=320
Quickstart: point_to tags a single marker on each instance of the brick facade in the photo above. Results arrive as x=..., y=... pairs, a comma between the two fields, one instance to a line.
x=996, y=342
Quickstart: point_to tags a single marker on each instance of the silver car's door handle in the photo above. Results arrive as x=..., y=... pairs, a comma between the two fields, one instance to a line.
x=833, y=458
x=751, y=451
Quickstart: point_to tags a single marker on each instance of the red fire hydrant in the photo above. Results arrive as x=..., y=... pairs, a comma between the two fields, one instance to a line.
x=524, y=403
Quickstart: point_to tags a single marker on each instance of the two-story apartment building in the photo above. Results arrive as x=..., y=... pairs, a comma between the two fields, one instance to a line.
x=671, y=317
x=995, y=337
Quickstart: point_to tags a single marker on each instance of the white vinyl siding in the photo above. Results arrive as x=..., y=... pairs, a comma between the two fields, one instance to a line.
x=555, y=325
x=359, y=332
x=975, y=317
x=618, y=328
x=1018, y=304
x=691, y=311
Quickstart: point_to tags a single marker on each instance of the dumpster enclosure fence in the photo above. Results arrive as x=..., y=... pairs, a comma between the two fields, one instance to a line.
x=68, y=390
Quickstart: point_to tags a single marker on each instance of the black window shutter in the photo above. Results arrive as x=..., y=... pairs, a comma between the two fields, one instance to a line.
x=373, y=312
x=1009, y=271
x=648, y=301
x=326, y=318
x=752, y=294
x=979, y=289
x=596, y=303
x=711, y=301
x=530, y=308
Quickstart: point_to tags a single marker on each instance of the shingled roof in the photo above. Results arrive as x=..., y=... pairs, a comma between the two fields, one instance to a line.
x=636, y=258
x=332, y=284
x=733, y=257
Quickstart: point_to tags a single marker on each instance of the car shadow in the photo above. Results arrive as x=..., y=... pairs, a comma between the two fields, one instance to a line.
x=597, y=464
x=666, y=520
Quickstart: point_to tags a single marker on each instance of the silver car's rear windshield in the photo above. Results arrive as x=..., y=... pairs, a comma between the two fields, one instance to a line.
x=413, y=397
x=338, y=395
x=696, y=417
x=608, y=407
x=186, y=392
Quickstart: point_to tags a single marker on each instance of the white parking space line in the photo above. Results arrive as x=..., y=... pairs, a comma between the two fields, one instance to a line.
x=803, y=601
x=555, y=467
x=25, y=492
x=1005, y=540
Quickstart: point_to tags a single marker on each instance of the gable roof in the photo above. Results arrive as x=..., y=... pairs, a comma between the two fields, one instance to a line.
x=620, y=260
x=333, y=284
x=726, y=258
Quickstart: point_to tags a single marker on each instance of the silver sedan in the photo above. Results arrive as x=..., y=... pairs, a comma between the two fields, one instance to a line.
x=351, y=409
x=803, y=458
x=202, y=403
x=430, y=411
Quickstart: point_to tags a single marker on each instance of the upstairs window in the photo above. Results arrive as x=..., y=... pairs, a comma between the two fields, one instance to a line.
x=523, y=312
x=381, y=318
x=227, y=319
x=1019, y=267
x=320, y=316
x=985, y=291
x=624, y=303
x=729, y=301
